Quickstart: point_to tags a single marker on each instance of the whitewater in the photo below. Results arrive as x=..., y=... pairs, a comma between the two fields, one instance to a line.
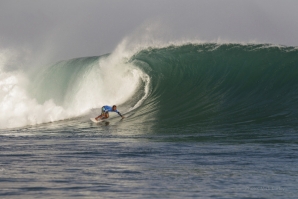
x=203, y=119
x=68, y=89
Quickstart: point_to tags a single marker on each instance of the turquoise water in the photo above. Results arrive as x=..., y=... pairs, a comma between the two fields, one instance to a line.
x=202, y=121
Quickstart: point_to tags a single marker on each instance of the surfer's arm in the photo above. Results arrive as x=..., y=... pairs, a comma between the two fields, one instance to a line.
x=120, y=114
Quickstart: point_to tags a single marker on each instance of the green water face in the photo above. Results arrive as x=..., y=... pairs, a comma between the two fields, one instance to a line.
x=220, y=85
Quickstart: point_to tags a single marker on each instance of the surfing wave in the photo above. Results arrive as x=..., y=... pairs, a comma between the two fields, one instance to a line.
x=176, y=85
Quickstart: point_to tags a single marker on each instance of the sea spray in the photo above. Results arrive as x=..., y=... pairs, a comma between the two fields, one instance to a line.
x=66, y=89
x=16, y=107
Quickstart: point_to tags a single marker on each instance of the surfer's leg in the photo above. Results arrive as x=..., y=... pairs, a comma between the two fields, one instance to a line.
x=102, y=115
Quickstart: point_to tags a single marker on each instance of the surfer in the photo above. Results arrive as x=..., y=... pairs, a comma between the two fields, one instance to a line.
x=105, y=112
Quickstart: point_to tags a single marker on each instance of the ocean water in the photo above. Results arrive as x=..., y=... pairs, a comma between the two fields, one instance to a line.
x=203, y=120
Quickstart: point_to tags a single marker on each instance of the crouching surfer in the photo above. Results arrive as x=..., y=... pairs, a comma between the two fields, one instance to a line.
x=105, y=112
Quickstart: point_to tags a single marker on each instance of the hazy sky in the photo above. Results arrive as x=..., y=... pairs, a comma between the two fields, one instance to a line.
x=64, y=29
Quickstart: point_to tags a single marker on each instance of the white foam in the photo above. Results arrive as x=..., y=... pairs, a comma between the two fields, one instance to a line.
x=111, y=81
x=17, y=109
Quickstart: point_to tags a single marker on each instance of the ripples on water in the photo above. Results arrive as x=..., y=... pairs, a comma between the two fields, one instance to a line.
x=84, y=160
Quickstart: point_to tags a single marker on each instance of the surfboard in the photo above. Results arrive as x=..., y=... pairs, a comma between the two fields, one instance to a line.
x=95, y=121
